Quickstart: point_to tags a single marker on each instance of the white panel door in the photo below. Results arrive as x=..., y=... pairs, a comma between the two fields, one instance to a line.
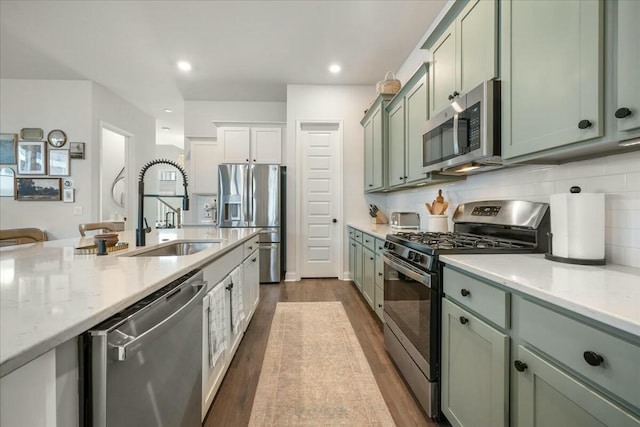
x=320, y=193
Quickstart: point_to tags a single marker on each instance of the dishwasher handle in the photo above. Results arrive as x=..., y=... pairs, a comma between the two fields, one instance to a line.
x=122, y=352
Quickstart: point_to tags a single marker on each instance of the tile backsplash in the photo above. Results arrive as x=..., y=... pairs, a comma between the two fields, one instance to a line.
x=617, y=176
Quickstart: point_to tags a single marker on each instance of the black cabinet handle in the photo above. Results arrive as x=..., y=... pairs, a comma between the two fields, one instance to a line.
x=405, y=177
x=370, y=185
x=450, y=97
x=584, y=124
x=593, y=358
x=465, y=293
x=371, y=258
x=254, y=260
x=464, y=320
x=520, y=366
x=247, y=160
x=254, y=160
x=250, y=248
x=379, y=274
x=455, y=93
x=380, y=305
x=623, y=112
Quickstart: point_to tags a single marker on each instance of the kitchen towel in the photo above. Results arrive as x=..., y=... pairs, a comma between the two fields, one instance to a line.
x=237, y=307
x=577, y=225
x=216, y=318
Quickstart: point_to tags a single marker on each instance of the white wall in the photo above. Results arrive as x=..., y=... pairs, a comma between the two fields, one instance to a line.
x=315, y=102
x=59, y=104
x=113, y=151
x=617, y=176
x=198, y=115
x=110, y=109
x=78, y=107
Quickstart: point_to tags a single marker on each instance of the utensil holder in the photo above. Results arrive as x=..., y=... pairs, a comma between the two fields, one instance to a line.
x=438, y=223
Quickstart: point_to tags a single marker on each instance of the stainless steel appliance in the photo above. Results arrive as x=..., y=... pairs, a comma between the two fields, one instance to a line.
x=405, y=221
x=465, y=137
x=254, y=196
x=413, y=281
x=142, y=367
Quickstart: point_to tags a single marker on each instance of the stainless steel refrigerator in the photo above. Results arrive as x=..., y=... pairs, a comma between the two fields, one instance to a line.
x=254, y=196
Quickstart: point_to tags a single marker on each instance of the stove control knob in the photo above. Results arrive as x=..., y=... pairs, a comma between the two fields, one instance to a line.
x=417, y=258
x=391, y=246
x=411, y=255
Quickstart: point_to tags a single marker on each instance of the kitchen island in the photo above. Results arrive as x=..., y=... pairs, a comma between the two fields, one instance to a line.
x=49, y=295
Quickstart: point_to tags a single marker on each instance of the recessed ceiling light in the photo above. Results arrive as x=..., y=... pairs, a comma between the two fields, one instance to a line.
x=166, y=129
x=168, y=110
x=335, y=68
x=184, y=65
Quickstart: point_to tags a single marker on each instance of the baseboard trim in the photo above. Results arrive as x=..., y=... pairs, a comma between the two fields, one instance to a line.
x=291, y=276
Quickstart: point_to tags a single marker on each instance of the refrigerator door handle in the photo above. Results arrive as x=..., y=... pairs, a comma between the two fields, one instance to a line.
x=245, y=203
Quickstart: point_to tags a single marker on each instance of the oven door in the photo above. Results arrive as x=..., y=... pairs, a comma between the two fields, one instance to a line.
x=412, y=311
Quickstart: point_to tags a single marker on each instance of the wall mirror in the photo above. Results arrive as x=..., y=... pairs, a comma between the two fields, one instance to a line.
x=57, y=138
x=7, y=182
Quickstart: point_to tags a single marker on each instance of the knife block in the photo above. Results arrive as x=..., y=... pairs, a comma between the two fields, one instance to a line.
x=379, y=219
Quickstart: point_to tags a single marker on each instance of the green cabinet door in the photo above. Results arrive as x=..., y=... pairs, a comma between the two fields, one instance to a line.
x=474, y=370
x=417, y=113
x=368, y=155
x=443, y=70
x=352, y=260
x=377, y=147
x=546, y=396
x=368, y=276
x=358, y=266
x=396, y=145
x=628, y=39
x=476, y=44
x=551, y=73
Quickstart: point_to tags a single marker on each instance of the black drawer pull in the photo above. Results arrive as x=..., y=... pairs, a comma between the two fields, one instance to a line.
x=623, y=112
x=379, y=305
x=464, y=320
x=465, y=293
x=584, y=124
x=520, y=366
x=593, y=358
x=371, y=258
x=379, y=274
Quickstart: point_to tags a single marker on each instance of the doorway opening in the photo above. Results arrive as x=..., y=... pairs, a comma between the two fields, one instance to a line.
x=114, y=196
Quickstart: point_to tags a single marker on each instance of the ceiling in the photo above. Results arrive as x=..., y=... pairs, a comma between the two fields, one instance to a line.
x=240, y=50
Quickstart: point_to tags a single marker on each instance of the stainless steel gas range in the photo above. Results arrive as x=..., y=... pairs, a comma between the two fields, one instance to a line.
x=413, y=285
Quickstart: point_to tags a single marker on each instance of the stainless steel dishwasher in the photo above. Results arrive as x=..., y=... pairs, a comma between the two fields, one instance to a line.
x=142, y=367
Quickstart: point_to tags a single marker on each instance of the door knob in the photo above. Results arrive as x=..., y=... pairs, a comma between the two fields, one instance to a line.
x=334, y=220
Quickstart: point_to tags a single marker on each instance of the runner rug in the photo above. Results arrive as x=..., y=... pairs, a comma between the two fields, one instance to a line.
x=315, y=373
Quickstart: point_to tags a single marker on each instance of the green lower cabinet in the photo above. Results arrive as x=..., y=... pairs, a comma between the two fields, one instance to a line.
x=475, y=359
x=358, y=266
x=352, y=260
x=546, y=396
x=368, y=277
x=379, y=303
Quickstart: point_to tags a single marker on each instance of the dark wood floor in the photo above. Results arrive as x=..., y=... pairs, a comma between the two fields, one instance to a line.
x=233, y=402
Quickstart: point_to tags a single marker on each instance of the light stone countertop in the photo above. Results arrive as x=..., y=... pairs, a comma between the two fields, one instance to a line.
x=49, y=295
x=608, y=294
x=378, y=230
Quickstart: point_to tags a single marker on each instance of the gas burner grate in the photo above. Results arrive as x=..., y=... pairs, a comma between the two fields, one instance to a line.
x=460, y=241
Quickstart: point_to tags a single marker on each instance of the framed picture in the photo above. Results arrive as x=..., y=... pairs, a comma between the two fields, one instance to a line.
x=7, y=182
x=77, y=150
x=59, y=162
x=68, y=195
x=8, y=150
x=32, y=157
x=38, y=189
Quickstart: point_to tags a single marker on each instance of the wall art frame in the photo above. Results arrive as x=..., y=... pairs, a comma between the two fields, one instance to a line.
x=59, y=162
x=8, y=148
x=32, y=157
x=38, y=189
x=77, y=150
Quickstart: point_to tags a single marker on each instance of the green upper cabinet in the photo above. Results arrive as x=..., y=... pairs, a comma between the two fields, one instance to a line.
x=408, y=113
x=375, y=124
x=396, y=144
x=464, y=55
x=552, y=73
x=627, y=111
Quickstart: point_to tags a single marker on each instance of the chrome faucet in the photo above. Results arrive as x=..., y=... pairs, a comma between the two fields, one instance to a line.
x=142, y=230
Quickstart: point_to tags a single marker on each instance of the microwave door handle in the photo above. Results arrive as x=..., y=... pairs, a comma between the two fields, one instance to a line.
x=456, y=144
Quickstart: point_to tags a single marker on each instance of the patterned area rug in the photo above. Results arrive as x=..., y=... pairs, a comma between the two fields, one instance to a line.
x=315, y=373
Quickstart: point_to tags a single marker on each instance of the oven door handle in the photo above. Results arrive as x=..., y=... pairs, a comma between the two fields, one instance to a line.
x=425, y=279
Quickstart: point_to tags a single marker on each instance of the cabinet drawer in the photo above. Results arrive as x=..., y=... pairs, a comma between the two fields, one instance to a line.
x=379, y=246
x=352, y=233
x=379, y=302
x=486, y=300
x=369, y=242
x=358, y=235
x=251, y=245
x=618, y=372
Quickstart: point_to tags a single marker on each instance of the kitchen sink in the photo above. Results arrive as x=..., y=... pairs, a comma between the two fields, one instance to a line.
x=178, y=249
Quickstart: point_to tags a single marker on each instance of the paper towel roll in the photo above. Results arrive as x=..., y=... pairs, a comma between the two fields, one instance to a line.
x=577, y=224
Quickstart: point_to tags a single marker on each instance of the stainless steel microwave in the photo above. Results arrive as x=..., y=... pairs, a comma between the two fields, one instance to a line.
x=465, y=137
